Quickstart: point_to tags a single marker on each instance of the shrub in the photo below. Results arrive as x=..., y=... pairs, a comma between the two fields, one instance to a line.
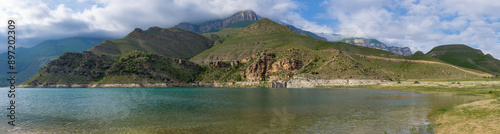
x=416, y=82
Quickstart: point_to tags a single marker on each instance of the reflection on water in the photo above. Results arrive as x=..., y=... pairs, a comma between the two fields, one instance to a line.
x=228, y=110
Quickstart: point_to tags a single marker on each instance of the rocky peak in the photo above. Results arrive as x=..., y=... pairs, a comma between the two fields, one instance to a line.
x=247, y=15
x=241, y=16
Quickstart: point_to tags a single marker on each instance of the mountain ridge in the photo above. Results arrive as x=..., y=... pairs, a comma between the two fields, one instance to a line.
x=374, y=43
x=466, y=56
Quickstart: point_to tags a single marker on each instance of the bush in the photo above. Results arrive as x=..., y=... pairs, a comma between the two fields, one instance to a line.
x=416, y=82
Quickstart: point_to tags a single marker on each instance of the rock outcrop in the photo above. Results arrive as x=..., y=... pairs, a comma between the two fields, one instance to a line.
x=265, y=65
x=258, y=69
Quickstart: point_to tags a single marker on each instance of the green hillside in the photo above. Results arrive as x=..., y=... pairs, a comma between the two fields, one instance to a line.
x=240, y=24
x=225, y=31
x=153, y=55
x=465, y=56
x=135, y=67
x=30, y=60
x=267, y=51
x=269, y=36
x=171, y=42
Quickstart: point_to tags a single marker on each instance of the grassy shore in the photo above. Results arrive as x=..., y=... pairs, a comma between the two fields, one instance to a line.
x=482, y=116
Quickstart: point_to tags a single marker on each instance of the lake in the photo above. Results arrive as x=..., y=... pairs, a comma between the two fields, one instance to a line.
x=222, y=110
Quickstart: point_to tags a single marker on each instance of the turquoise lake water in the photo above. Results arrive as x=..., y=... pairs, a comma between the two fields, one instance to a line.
x=221, y=110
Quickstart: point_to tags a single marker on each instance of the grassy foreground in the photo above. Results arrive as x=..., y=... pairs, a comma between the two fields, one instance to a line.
x=482, y=116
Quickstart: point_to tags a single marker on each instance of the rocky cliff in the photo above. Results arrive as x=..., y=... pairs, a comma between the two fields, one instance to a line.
x=216, y=25
x=373, y=43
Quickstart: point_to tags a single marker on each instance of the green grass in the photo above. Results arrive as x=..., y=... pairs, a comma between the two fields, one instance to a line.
x=240, y=24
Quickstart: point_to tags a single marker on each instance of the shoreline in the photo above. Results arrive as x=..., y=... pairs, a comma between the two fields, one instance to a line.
x=295, y=83
x=480, y=116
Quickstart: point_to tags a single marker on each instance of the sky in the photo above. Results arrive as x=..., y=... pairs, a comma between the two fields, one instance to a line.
x=418, y=24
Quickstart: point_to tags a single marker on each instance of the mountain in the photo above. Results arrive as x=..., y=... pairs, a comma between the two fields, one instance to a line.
x=150, y=56
x=238, y=20
x=171, y=42
x=268, y=51
x=135, y=67
x=418, y=54
x=373, y=43
x=30, y=60
x=264, y=51
x=465, y=56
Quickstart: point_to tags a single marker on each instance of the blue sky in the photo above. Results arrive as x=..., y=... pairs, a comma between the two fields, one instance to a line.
x=418, y=24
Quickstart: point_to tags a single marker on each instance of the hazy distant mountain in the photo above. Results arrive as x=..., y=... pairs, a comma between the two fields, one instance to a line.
x=30, y=60
x=373, y=43
x=240, y=19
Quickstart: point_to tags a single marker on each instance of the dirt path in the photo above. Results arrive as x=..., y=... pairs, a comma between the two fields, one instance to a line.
x=429, y=62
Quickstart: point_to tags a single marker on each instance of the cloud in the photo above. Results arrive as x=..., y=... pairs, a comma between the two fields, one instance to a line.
x=43, y=20
x=420, y=24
